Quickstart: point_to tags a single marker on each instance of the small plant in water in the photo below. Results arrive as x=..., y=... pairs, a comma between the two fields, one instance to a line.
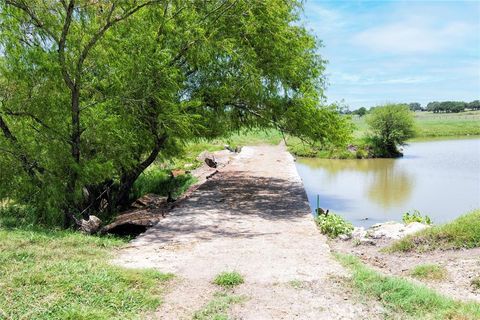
x=416, y=216
x=333, y=225
x=228, y=279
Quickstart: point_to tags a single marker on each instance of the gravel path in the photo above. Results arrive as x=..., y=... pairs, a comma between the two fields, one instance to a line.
x=252, y=217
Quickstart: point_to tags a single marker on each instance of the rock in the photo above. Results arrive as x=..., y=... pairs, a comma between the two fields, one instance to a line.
x=359, y=232
x=211, y=162
x=367, y=241
x=90, y=226
x=344, y=237
x=413, y=227
x=149, y=200
x=208, y=158
x=393, y=230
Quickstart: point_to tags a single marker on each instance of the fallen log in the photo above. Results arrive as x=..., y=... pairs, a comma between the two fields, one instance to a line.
x=134, y=222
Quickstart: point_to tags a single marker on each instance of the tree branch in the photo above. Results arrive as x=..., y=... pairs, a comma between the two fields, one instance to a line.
x=96, y=37
x=37, y=22
x=61, y=44
x=28, y=165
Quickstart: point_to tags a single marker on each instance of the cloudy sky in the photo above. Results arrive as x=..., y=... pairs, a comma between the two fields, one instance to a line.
x=398, y=51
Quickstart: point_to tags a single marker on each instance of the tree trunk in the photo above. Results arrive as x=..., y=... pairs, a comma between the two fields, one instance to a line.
x=75, y=153
x=122, y=200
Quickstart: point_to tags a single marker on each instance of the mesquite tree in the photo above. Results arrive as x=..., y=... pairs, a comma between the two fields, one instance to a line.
x=92, y=91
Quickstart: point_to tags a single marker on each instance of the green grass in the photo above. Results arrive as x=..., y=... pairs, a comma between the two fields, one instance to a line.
x=429, y=272
x=217, y=308
x=463, y=232
x=453, y=124
x=158, y=181
x=66, y=275
x=405, y=298
x=431, y=124
x=228, y=279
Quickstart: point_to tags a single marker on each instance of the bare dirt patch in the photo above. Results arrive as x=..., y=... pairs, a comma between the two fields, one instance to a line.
x=253, y=218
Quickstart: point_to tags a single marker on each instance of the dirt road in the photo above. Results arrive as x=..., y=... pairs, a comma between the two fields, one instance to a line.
x=252, y=217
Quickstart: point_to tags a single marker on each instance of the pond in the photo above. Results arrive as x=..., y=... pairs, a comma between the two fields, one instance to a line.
x=440, y=178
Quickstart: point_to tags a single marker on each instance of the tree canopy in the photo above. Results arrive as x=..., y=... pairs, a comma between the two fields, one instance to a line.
x=92, y=92
x=390, y=125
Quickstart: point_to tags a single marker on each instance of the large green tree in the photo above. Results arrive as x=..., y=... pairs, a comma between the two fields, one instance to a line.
x=92, y=92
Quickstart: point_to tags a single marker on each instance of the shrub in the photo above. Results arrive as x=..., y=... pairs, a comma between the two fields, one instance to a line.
x=391, y=125
x=416, y=216
x=333, y=225
x=361, y=154
x=228, y=279
x=15, y=215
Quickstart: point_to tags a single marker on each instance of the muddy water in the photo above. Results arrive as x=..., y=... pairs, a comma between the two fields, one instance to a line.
x=440, y=178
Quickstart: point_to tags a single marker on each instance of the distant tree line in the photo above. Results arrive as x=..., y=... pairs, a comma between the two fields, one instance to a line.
x=452, y=106
x=435, y=106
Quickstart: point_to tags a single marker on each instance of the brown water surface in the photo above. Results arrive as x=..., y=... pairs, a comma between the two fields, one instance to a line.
x=438, y=178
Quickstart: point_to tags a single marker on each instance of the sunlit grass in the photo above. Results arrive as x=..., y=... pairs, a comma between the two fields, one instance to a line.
x=429, y=272
x=66, y=275
x=402, y=297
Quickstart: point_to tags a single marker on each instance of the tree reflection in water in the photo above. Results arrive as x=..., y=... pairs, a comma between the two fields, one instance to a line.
x=388, y=184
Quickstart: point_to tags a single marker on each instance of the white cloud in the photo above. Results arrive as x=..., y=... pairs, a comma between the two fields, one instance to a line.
x=414, y=36
x=324, y=20
x=362, y=80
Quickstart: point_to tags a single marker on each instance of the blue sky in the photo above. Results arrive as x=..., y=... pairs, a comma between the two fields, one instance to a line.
x=398, y=51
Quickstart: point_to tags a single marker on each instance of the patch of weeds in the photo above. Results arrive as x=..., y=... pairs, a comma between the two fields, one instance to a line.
x=404, y=297
x=356, y=242
x=228, y=279
x=429, y=272
x=476, y=283
x=296, y=284
x=416, y=216
x=333, y=225
x=217, y=308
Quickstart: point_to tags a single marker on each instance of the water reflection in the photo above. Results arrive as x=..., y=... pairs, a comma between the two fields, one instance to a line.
x=389, y=185
x=439, y=178
x=386, y=183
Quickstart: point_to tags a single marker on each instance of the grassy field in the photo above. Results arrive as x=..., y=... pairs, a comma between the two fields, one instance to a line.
x=463, y=232
x=431, y=124
x=66, y=275
x=405, y=299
